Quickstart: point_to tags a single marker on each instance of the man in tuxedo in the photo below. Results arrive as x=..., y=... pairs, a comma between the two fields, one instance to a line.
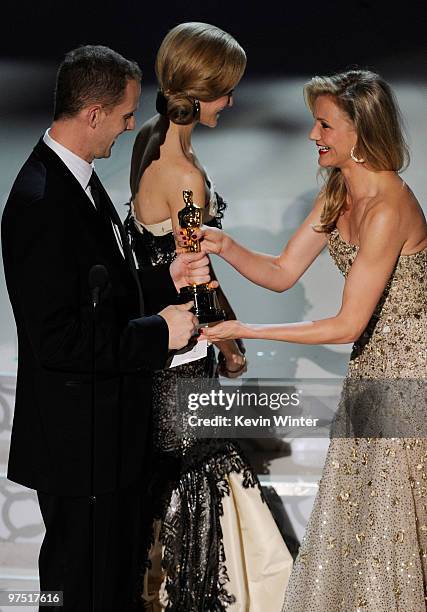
x=88, y=465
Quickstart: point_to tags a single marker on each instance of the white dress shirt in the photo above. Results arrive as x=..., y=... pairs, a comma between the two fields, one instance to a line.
x=81, y=170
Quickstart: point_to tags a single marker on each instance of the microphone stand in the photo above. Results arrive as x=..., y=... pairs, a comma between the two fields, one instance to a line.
x=98, y=278
x=92, y=497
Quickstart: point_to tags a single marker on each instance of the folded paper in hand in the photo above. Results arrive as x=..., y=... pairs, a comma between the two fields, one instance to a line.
x=190, y=353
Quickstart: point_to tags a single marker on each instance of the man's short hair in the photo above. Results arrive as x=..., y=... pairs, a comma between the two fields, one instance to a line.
x=92, y=74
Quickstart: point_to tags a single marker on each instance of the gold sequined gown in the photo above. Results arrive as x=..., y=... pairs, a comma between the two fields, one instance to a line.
x=365, y=547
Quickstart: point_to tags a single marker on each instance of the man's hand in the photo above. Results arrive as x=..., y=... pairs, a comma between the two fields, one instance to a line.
x=189, y=269
x=181, y=324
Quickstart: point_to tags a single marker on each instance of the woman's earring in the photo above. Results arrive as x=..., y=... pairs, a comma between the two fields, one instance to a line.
x=356, y=159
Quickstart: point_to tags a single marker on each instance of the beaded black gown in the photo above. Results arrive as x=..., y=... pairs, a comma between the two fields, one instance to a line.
x=206, y=551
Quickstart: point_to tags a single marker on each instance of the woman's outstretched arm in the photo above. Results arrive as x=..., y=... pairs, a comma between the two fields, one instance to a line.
x=380, y=244
x=277, y=273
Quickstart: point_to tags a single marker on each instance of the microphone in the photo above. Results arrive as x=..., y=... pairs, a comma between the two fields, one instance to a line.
x=98, y=279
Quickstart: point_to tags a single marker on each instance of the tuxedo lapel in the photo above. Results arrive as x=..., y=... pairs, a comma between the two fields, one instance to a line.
x=52, y=161
x=125, y=243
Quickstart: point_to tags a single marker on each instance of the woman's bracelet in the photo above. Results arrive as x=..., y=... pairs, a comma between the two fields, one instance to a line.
x=242, y=367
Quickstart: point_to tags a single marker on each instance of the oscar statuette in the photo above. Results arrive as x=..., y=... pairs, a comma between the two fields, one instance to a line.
x=206, y=304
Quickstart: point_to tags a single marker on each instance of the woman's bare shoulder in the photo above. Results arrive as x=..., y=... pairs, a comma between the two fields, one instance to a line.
x=183, y=175
x=396, y=211
x=395, y=201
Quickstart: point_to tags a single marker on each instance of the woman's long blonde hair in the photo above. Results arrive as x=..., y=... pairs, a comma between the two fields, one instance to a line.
x=371, y=105
x=197, y=61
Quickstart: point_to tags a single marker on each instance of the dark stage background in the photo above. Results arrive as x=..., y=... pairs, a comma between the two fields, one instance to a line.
x=281, y=38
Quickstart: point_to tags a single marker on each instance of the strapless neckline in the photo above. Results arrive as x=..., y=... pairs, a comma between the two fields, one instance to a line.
x=356, y=246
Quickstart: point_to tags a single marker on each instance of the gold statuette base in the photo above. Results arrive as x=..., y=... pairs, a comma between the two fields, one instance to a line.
x=206, y=305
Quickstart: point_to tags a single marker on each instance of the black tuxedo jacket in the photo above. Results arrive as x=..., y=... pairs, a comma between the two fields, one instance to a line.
x=51, y=236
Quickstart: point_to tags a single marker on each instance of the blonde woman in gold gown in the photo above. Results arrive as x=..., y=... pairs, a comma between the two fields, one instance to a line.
x=365, y=546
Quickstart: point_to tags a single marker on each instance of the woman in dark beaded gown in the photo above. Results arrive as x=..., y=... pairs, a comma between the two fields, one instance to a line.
x=207, y=552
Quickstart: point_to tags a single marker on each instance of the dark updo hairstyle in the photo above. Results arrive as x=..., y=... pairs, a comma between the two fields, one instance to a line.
x=197, y=61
